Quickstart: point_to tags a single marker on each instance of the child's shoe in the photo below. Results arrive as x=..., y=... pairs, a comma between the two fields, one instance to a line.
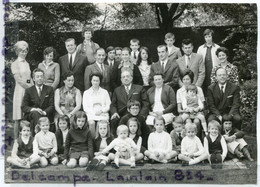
x=185, y=163
x=92, y=164
x=247, y=154
x=100, y=167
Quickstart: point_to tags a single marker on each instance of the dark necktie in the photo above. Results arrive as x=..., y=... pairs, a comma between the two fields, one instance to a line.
x=134, y=55
x=70, y=62
x=162, y=67
x=127, y=89
x=188, y=62
x=39, y=91
x=222, y=91
x=180, y=138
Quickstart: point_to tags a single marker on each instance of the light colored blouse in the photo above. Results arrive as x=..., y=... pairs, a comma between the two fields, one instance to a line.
x=158, y=107
x=145, y=72
x=160, y=142
x=94, y=101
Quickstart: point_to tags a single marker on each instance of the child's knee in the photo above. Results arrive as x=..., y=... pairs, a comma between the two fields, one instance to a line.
x=43, y=162
x=111, y=156
x=180, y=156
x=196, y=121
x=83, y=162
x=147, y=153
x=72, y=163
x=54, y=161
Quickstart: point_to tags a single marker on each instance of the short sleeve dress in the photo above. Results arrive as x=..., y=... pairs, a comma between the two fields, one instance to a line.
x=20, y=68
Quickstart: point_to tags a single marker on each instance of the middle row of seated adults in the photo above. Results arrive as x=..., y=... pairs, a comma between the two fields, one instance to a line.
x=38, y=99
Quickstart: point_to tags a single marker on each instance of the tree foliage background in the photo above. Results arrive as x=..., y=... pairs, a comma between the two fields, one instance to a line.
x=45, y=21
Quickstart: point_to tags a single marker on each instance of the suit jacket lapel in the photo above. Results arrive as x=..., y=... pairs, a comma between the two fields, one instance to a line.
x=168, y=65
x=227, y=90
x=76, y=60
x=182, y=63
x=152, y=94
x=131, y=91
x=192, y=59
x=43, y=94
x=162, y=94
x=123, y=92
x=66, y=61
x=36, y=93
x=97, y=68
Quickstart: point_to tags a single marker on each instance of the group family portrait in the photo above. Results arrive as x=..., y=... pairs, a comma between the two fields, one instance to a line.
x=131, y=93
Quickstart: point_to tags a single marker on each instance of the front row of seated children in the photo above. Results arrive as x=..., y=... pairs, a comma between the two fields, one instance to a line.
x=75, y=145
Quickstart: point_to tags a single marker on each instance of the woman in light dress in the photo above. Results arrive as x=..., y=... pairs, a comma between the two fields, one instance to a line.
x=22, y=75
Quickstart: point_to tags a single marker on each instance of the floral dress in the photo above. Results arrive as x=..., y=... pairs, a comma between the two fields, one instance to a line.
x=232, y=73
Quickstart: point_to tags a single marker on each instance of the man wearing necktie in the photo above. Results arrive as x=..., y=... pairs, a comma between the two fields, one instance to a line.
x=99, y=67
x=193, y=62
x=168, y=68
x=224, y=98
x=73, y=62
x=124, y=93
x=38, y=101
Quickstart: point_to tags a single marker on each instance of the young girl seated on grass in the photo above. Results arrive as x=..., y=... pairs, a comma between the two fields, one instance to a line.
x=160, y=143
x=135, y=134
x=79, y=143
x=125, y=148
x=61, y=134
x=215, y=145
x=46, y=143
x=192, y=151
x=102, y=140
x=234, y=138
x=23, y=154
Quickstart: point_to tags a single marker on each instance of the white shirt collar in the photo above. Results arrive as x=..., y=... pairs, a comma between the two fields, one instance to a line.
x=222, y=85
x=129, y=86
x=20, y=59
x=164, y=61
x=73, y=56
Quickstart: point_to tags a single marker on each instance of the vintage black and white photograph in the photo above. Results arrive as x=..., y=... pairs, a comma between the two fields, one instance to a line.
x=130, y=93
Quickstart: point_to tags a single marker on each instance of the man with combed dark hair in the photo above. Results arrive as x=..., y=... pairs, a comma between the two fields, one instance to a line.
x=167, y=67
x=74, y=62
x=192, y=61
x=38, y=101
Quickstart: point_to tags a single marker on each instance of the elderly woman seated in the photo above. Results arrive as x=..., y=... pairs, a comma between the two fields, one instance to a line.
x=162, y=102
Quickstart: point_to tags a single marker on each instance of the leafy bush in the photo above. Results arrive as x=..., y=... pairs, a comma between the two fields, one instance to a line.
x=248, y=109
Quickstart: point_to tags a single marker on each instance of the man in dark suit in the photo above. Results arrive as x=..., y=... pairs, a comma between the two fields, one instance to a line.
x=38, y=101
x=168, y=68
x=74, y=62
x=192, y=61
x=98, y=67
x=122, y=94
x=224, y=98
